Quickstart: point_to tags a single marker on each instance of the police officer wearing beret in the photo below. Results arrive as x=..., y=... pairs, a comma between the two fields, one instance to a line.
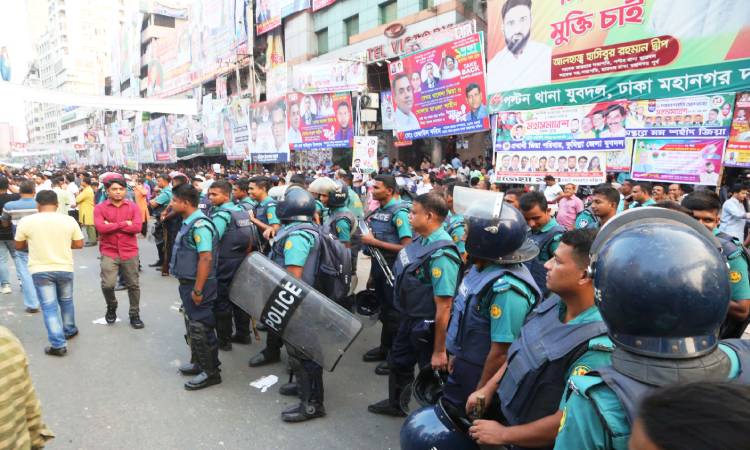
x=193, y=263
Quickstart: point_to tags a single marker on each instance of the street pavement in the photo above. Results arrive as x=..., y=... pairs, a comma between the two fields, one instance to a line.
x=119, y=388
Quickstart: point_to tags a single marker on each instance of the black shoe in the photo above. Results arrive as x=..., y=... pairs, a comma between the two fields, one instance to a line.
x=190, y=369
x=32, y=310
x=241, y=339
x=202, y=380
x=261, y=359
x=289, y=389
x=385, y=408
x=383, y=368
x=373, y=355
x=303, y=412
x=71, y=335
x=156, y=264
x=111, y=315
x=52, y=351
x=136, y=322
x=225, y=346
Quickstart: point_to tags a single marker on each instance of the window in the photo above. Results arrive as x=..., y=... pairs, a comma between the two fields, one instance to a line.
x=388, y=12
x=352, y=27
x=163, y=21
x=425, y=4
x=322, y=37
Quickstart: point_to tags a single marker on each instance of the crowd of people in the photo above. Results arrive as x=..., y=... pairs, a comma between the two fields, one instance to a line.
x=545, y=314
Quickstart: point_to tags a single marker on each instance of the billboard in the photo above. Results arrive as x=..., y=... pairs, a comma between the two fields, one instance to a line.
x=320, y=121
x=738, y=147
x=386, y=111
x=211, y=121
x=365, y=154
x=169, y=65
x=158, y=137
x=268, y=136
x=277, y=81
x=440, y=91
x=267, y=15
x=530, y=167
x=697, y=116
x=625, y=48
x=329, y=77
x=587, y=127
x=235, y=129
x=689, y=161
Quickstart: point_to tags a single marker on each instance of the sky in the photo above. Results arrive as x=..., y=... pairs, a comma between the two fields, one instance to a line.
x=14, y=36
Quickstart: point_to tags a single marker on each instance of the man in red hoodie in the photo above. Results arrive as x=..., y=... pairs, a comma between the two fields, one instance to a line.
x=118, y=221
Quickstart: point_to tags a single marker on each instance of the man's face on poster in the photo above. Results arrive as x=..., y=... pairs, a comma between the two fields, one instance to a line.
x=404, y=95
x=307, y=102
x=505, y=162
x=517, y=28
x=514, y=162
x=416, y=80
x=598, y=121
x=277, y=127
x=586, y=124
x=571, y=162
x=428, y=69
x=712, y=115
x=574, y=126
x=294, y=116
x=614, y=120
x=725, y=109
x=474, y=98
x=342, y=115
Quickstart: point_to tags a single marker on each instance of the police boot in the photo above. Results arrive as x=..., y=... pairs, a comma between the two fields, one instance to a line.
x=224, y=330
x=397, y=403
x=270, y=354
x=311, y=403
x=206, y=354
x=192, y=367
x=290, y=389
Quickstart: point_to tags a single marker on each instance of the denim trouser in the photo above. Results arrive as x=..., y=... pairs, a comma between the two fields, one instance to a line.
x=7, y=251
x=30, y=298
x=55, y=291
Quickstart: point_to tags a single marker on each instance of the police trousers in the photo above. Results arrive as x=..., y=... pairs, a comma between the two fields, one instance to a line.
x=462, y=382
x=389, y=317
x=413, y=344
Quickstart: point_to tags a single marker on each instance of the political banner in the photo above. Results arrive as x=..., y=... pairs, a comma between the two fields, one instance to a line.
x=169, y=65
x=277, y=81
x=289, y=7
x=527, y=167
x=365, y=154
x=688, y=161
x=607, y=43
x=320, y=121
x=387, y=118
x=211, y=121
x=217, y=34
x=330, y=76
x=268, y=138
x=598, y=127
x=267, y=15
x=738, y=147
x=158, y=136
x=697, y=116
x=143, y=144
x=620, y=161
x=234, y=124
x=178, y=132
x=320, y=4
x=440, y=91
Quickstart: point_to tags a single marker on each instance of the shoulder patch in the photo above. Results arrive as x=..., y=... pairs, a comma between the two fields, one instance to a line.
x=580, y=370
x=501, y=285
x=197, y=238
x=436, y=272
x=399, y=222
x=735, y=277
x=269, y=215
x=200, y=223
x=288, y=244
x=455, y=238
x=495, y=312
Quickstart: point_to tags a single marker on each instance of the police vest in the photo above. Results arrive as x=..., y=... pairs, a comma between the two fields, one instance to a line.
x=184, y=262
x=240, y=234
x=536, y=266
x=453, y=223
x=730, y=245
x=412, y=296
x=382, y=227
x=468, y=335
x=539, y=361
x=204, y=205
x=261, y=211
x=586, y=220
x=631, y=392
x=355, y=237
x=310, y=269
x=246, y=206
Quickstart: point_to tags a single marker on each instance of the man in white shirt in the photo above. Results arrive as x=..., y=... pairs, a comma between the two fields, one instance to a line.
x=709, y=177
x=404, y=95
x=551, y=191
x=733, y=214
x=293, y=134
x=523, y=62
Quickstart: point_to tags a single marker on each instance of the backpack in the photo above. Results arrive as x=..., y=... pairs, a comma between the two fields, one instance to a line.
x=334, y=267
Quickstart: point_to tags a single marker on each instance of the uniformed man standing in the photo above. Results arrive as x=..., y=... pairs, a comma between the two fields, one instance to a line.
x=664, y=317
x=426, y=275
x=391, y=232
x=194, y=261
x=493, y=299
x=563, y=335
x=296, y=248
x=544, y=231
x=353, y=201
x=705, y=207
x=229, y=260
x=240, y=193
x=158, y=205
x=603, y=207
x=454, y=223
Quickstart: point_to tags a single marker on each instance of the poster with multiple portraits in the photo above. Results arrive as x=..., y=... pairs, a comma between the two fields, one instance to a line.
x=702, y=116
x=689, y=161
x=738, y=147
x=530, y=167
x=267, y=135
x=320, y=120
x=440, y=91
x=365, y=154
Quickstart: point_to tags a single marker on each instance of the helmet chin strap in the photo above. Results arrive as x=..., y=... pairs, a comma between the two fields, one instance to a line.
x=714, y=366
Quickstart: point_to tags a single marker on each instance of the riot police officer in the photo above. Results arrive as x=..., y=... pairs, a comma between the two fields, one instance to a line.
x=391, y=232
x=296, y=248
x=240, y=193
x=426, y=276
x=603, y=207
x=705, y=207
x=321, y=187
x=562, y=336
x=544, y=231
x=230, y=256
x=193, y=263
x=493, y=299
x=454, y=223
x=353, y=201
x=662, y=314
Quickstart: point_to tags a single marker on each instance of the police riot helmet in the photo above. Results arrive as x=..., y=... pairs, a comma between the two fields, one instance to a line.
x=428, y=386
x=367, y=307
x=296, y=205
x=322, y=185
x=661, y=283
x=439, y=426
x=339, y=196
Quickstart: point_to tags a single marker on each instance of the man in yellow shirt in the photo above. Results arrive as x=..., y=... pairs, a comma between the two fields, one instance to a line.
x=49, y=238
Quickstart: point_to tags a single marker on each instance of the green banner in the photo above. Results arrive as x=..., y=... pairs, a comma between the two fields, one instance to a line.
x=730, y=76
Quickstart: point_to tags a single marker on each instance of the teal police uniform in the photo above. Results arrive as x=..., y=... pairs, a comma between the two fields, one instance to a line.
x=221, y=216
x=593, y=417
x=247, y=203
x=269, y=206
x=354, y=204
x=164, y=196
x=739, y=280
x=547, y=239
x=321, y=210
x=455, y=226
x=586, y=220
x=648, y=202
x=342, y=226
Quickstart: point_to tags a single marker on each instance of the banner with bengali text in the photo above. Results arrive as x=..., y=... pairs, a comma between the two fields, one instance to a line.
x=268, y=140
x=440, y=91
x=234, y=124
x=620, y=161
x=557, y=41
x=329, y=76
x=697, y=116
x=530, y=167
x=365, y=154
x=320, y=121
x=267, y=15
x=738, y=147
x=211, y=121
x=688, y=161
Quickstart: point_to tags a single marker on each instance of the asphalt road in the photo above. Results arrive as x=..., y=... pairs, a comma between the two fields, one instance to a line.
x=119, y=388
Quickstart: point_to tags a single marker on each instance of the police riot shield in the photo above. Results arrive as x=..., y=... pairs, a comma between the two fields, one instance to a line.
x=304, y=318
x=464, y=198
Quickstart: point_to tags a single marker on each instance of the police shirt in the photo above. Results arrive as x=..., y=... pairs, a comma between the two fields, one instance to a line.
x=455, y=223
x=201, y=236
x=321, y=210
x=400, y=220
x=594, y=356
x=581, y=428
x=247, y=201
x=342, y=226
x=164, y=196
x=221, y=221
x=443, y=269
x=738, y=274
x=507, y=308
x=354, y=204
x=297, y=246
x=270, y=218
x=545, y=254
x=648, y=202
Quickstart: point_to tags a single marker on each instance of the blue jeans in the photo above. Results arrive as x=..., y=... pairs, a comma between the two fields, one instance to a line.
x=55, y=290
x=30, y=299
x=7, y=251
